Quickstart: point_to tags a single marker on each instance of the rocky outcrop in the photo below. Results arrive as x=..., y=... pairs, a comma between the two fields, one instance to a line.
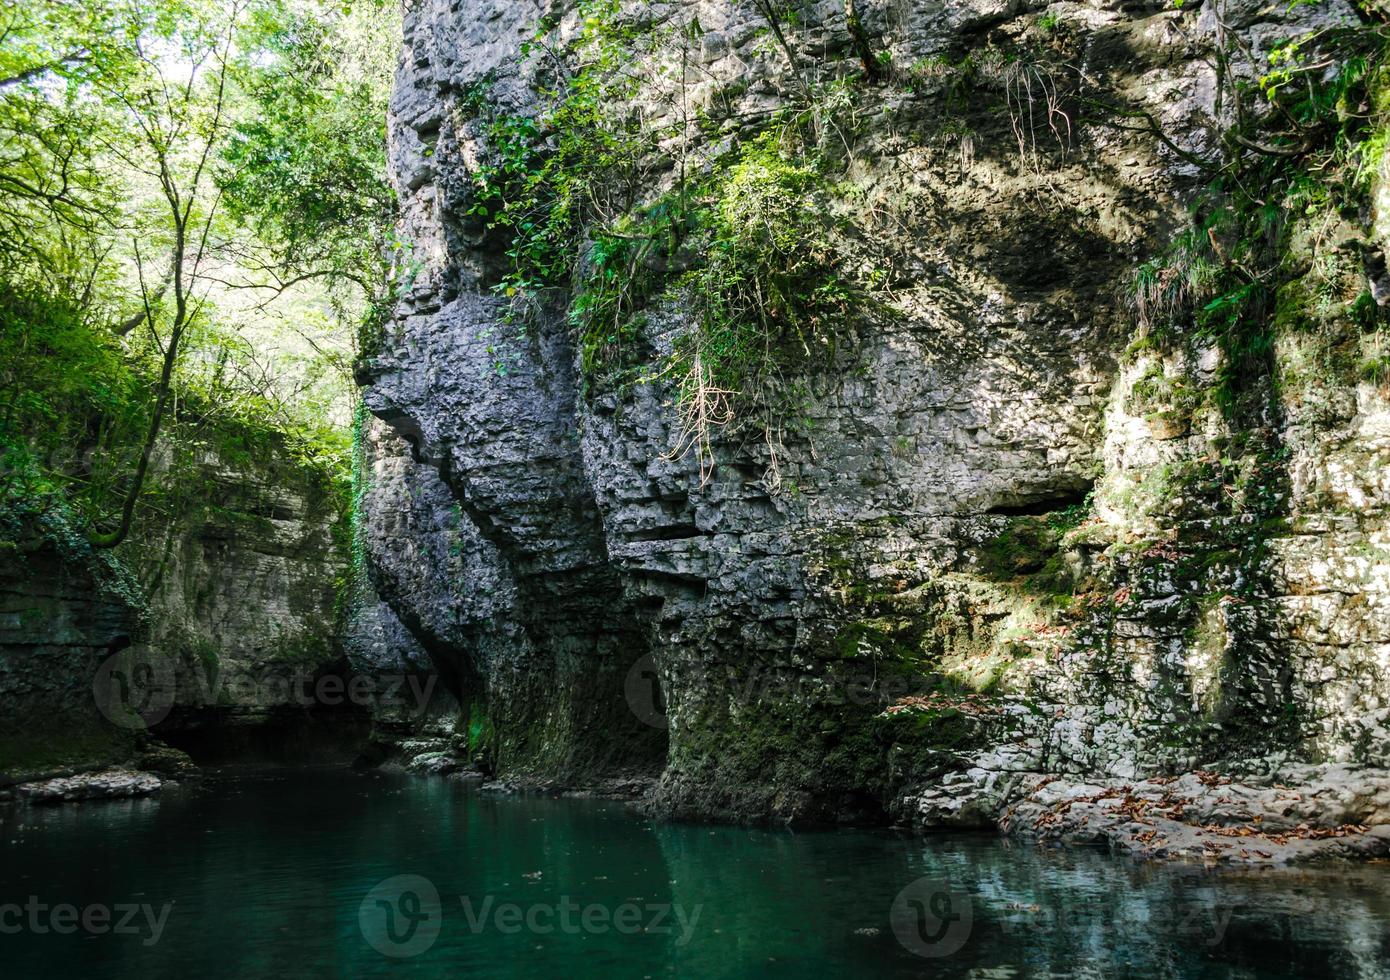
x=509, y=627
x=1203, y=816
x=214, y=622
x=64, y=611
x=242, y=572
x=107, y=785
x=1008, y=529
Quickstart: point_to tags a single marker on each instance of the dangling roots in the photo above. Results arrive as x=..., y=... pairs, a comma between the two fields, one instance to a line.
x=704, y=407
x=1024, y=86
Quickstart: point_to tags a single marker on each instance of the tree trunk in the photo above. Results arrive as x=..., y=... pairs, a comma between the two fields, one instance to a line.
x=861, y=41
x=113, y=538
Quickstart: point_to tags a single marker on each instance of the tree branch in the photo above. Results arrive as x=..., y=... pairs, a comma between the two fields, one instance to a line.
x=38, y=71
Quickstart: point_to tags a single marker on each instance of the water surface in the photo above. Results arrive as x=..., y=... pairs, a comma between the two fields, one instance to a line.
x=329, y=872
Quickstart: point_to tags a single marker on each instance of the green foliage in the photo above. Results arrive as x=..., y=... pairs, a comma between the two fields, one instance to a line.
x=528, y=193
x=69, y=400
x=1232, y=277
x=55, y=58
x=305, y=167
x=1375, y=369
x=625, y=270
x=770, y=294
x=765, y=294
x=764, y=279
x=548, y=176
x=747, y=245
x=75, y=404
x=361, y=483
x=1165, y=288
x=105, y=188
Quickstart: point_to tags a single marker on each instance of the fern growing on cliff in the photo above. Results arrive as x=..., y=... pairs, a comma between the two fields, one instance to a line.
x=744, y=250
x=770, y=296
x=1295, y=164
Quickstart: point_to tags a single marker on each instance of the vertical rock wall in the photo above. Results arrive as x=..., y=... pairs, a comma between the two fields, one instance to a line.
x=222, y=607
x=999, y=514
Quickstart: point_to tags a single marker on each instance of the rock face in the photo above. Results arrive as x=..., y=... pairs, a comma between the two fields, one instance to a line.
x=242, y=579
x=219, y=611
x=64, y=610
x=535, y=647
x=999, y=513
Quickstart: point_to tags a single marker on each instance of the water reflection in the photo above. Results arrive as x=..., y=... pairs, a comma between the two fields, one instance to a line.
x=268, y=873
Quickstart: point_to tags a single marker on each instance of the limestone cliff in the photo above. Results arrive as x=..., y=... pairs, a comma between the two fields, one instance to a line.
x=206, y=626
x=1028, y=508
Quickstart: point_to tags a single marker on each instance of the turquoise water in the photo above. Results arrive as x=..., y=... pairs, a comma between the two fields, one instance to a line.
x=298, y=873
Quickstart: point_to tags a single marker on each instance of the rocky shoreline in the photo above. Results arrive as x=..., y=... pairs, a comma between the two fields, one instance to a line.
x=1214, y=818
x=106, y=784
x=1295, y=815
x=1202, y=817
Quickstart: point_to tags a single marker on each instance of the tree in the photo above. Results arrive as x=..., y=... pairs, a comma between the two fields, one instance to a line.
x=305, y=168
x=53, y=192
x=179, y=180
x=177, y=127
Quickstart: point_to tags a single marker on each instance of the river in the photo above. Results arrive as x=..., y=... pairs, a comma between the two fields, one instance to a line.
x=328, y=872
